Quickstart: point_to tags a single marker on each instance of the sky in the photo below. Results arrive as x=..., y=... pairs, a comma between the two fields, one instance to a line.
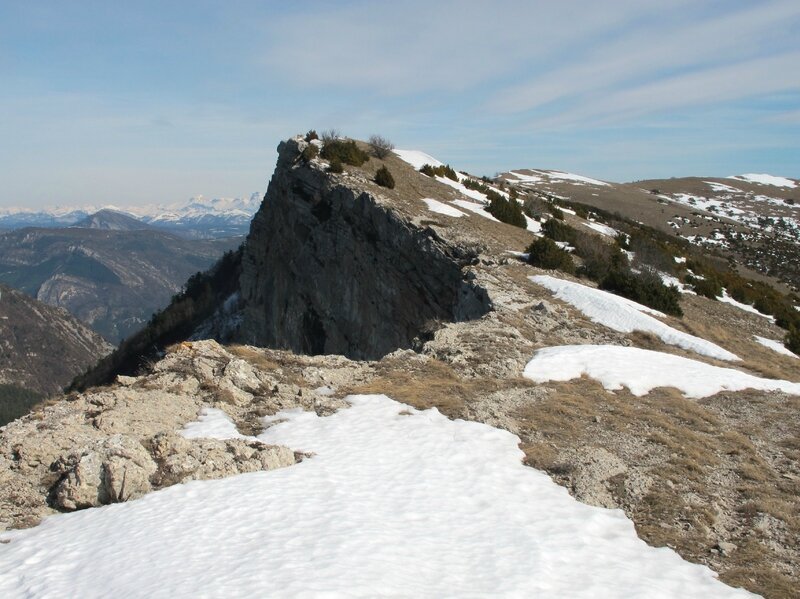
x=154, y=102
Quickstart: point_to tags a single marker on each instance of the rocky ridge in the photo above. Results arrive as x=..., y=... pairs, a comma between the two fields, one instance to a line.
x=714, y=478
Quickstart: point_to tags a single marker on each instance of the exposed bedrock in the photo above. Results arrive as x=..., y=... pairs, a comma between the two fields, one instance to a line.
x=328, y=269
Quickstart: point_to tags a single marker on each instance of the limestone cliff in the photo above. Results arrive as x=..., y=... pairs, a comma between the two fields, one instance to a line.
x=328, y=268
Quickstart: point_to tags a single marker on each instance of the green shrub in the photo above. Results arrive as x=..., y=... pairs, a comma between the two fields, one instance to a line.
x=345, y=151
x=381, y=146
x=792, y=341
x=645, y=288
x=384, y=178
x=599, y=258
x=310, y=151
x=556, y=212
x=443, y=170
x=311, y=135
x=708, y=287
x=335, y=166
x=559, y=231
x=544, y=253
x=507, y=211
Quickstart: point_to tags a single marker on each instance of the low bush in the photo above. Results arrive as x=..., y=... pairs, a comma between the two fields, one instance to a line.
x=507, y=211
x=311, y=135
x=335, y=166
x=709, y=287
x=330, y=135
x=599, y=258
x=556, y=212
x=345, y=151
x=544, y=253
x=309, y=152
x=559, y=231
x=381, y=146
x=384, y=178
x=792, y=341
x=444, y=170
x=645, y=288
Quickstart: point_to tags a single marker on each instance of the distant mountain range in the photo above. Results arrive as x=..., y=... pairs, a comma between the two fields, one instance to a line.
x=109, y=270
x=198, y=218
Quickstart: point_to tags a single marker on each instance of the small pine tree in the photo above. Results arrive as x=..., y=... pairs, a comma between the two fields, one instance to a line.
x=310, y=151
x=384, y=178
x=335, y=166
x=311, y=135
x=544, y=253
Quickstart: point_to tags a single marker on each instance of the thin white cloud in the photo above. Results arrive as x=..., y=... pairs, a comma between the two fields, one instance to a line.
x=645, y=53
x=402, y=48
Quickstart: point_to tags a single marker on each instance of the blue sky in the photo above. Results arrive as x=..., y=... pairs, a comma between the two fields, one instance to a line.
x=142, y=102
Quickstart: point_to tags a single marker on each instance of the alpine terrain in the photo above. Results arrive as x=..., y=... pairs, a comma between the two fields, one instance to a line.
x=410, y=381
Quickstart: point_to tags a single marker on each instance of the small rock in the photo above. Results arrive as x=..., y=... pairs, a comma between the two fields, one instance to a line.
x=725, y=548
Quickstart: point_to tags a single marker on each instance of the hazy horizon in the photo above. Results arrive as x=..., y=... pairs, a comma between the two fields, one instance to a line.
x=158, y=102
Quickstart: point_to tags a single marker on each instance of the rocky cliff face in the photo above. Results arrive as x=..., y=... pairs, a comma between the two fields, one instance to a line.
x=328, y=268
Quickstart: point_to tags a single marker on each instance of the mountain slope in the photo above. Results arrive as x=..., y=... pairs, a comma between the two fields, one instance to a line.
x=111, y=220
x=113, y=280
x=752, y=221
x=694, y=437
x=42, y=348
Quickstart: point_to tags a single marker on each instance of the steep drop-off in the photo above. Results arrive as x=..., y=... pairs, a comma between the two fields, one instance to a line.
x=329, y=267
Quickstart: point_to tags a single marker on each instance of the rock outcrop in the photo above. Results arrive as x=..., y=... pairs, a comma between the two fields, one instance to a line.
x=329, y=268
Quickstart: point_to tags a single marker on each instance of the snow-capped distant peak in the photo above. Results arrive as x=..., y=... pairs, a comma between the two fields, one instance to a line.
x=764, y=179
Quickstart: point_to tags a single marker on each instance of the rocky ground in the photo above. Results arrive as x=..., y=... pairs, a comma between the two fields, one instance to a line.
x=716, y=478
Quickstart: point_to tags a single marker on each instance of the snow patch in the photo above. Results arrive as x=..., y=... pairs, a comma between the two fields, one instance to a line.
x=601, y=228
x=394, y=502
x=417, y=159
x=623, y=315
x=476, y=208
x=439, y=207
x=212, y=423
x=776, y=346
x=727, y=299
x=642, y=370
x=765, y=179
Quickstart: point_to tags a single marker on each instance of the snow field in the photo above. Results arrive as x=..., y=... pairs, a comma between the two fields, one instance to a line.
x=601, y=228
x=394, y=502
x=623, y=315
x=441, y=208
x=642, y=370
x=776, y=346
x=727, y=299
x=764, y=179
x=417, y=159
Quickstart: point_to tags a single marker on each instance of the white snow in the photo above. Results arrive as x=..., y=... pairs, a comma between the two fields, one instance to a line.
x=394, y=502
x=721, y=187
x=765, y=179
x=476, y=208
x=680, y=259
x=470, y=193
x=441, y=208
x=573, y=178
x=642, y=370
x=532, y=225
x=417, y=159
x=542, y=176
x=623, y=315
x=212, y=424
x=601, y=228
x=727, y=299
x=775, y=346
